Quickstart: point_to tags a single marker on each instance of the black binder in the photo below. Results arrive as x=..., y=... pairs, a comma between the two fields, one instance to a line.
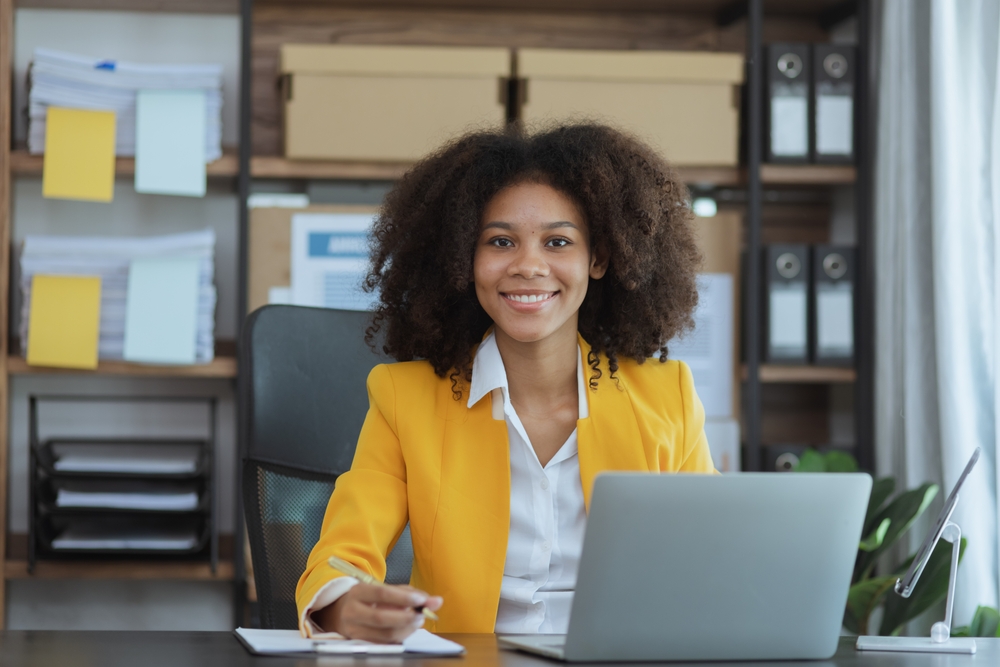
x=833, y=103
x=832, y=330
x=783, y=458
x=786, y=303
x=788, y=113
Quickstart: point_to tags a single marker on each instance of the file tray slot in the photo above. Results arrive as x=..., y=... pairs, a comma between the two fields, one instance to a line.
x=128, y=459
x=121, y=496
x=122, y=536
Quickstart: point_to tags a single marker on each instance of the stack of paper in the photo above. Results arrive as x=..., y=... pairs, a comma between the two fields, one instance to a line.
x=96, y=536
x=169, y=501
x=118, y=458
x=78, y=82
x=147, y=287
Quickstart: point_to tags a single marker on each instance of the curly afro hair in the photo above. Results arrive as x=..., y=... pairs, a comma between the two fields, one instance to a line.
x=636, y=210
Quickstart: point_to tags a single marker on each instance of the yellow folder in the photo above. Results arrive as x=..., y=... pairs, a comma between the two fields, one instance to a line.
x=65, y=321
x=79, y=154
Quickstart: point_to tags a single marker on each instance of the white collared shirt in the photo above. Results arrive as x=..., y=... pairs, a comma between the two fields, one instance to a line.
x=547, y=511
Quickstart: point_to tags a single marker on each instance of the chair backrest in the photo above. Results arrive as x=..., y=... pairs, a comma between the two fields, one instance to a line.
x=303, y=401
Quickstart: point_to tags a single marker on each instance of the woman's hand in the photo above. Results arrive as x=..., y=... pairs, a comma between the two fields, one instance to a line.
x=384, y=614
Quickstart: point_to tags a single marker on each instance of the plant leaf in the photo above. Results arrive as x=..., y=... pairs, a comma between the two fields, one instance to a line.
x=881, y=490
x=811, y=461
x=985, y=623
x=838, y=461
x=931, y=588
x=876, y=537
x=862, y=599
x=902, y=511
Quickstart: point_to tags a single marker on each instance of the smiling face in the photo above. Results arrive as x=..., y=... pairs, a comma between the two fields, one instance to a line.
x=533, y=262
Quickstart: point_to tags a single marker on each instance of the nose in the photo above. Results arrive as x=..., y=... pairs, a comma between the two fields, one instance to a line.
x=528, y=262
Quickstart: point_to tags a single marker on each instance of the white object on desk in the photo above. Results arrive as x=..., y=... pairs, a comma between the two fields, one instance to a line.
x=964, y=645
x=940, y=640
x=279, y=642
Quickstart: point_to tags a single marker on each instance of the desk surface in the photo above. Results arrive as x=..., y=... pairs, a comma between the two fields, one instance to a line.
x=221, y=649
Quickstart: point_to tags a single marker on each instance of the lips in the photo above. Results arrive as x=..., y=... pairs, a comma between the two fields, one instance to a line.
x=529, y=298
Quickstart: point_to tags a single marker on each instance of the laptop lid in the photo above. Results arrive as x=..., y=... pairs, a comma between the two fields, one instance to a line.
x=716, y=567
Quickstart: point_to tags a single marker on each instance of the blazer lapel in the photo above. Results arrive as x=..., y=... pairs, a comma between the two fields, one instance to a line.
x=609, y=439
x=471, y=530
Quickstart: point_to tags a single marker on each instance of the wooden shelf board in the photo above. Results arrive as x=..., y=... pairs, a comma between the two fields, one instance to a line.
x=23, y=163
x=279, y=167
x=809, y=174
x=784, y=7
x=776, y=373
x=185, y=6
x=732, y=176
x=18, y=569
x=220, y=367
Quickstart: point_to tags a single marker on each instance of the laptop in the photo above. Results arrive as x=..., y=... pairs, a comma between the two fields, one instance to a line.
x=712, y=567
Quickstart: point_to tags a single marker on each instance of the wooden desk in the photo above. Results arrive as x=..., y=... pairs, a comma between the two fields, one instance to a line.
x=221, y=649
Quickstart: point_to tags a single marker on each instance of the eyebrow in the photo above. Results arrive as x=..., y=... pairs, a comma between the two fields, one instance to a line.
x=497, y=224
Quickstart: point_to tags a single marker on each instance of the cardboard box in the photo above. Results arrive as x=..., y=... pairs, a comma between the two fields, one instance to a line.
x=270, y=248
x=685, y=104
x=387, y=103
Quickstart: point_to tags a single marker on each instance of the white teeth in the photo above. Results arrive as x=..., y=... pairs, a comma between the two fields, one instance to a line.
x=528, y=298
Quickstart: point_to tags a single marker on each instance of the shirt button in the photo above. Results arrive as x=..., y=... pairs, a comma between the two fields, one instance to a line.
x=545, y=485
x=546, y=545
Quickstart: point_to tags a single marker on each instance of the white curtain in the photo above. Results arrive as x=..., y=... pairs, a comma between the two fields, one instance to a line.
x=937, y=235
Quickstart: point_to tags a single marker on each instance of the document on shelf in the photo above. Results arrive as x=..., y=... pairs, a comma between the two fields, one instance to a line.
x=170, y=142
x=65, y=321
x=79, y=155
x=329, y=260
x=161, y=310
x=723, y=437
x=708, y=348
x=285, y=642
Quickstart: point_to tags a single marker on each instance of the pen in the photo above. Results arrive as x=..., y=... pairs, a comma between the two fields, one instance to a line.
x=342, y=565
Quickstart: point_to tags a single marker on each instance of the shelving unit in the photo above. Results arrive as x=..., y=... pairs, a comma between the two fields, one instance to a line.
x=18, y=163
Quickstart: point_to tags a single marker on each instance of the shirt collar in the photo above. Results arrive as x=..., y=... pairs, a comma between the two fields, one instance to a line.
x=489, y=374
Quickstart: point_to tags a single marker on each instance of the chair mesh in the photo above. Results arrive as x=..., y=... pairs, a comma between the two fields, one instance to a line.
x=285, y=509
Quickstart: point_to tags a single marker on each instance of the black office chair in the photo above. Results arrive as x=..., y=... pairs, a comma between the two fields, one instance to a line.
x=303, y=402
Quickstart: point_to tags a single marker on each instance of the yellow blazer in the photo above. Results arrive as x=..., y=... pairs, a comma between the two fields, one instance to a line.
x=427, y=458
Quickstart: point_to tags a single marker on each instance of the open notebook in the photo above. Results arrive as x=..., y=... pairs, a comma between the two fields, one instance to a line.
x=289, y=642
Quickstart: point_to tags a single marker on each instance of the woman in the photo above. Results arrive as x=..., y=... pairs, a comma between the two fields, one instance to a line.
x=534, y=277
